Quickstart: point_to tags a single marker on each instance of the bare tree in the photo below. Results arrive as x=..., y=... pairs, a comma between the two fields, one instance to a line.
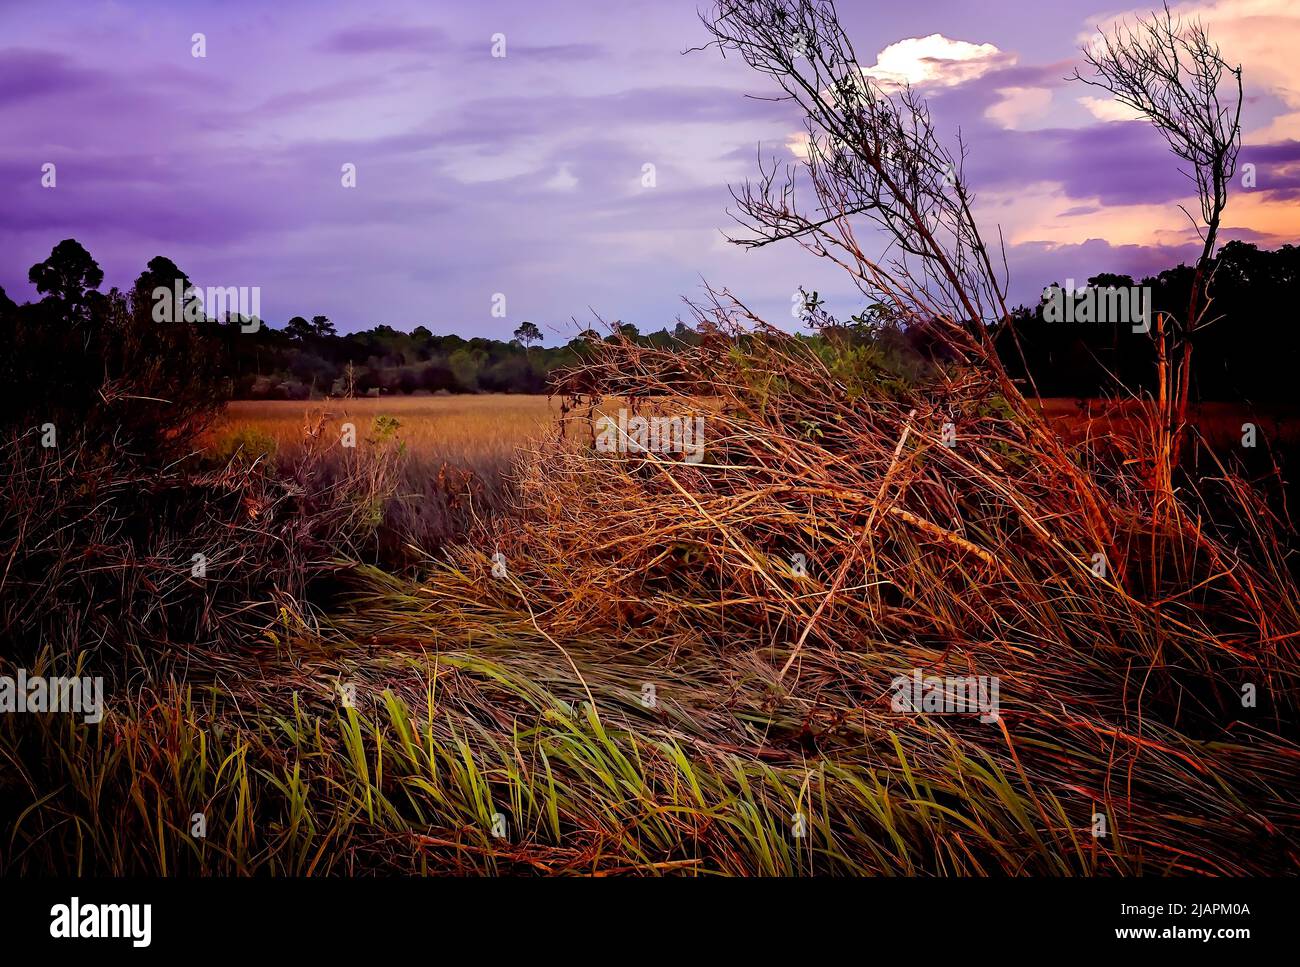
x=873, y=161
x=1170, y=72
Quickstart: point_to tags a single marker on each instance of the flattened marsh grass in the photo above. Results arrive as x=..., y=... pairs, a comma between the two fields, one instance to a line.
x=421, y=776
x=486, y=705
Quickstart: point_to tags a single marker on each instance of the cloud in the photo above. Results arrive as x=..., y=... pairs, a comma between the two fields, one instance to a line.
x=934, y=61
x=1020, y=107
x=1036, y=264
x=1262, y=36
x=562, y=180
x=1282, y=128
x=1108, y=109
x=323, y=94
x=557, y=53
x=26, y=74
x=798, y=145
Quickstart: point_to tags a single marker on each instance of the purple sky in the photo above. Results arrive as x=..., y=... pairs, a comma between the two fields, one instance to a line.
x=523, y=175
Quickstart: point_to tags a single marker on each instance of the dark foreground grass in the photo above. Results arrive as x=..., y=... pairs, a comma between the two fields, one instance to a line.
x=447, y=743
x=505, y=738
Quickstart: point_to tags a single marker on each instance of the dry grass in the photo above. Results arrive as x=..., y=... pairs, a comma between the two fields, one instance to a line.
x=1121, y=690
x=456, y=453
x=486, y=431
x=478, y=431
x=770, y=746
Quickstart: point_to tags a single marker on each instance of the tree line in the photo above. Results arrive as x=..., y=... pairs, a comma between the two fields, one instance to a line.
x=1247, y=343
x=76, y=344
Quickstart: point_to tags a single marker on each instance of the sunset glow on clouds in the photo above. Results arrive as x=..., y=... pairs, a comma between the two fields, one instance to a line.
x=523, y=175
x=1263, y=36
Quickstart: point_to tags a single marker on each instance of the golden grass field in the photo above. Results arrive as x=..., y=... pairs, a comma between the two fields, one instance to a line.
x=460, y=451
x=484, y=431
x=465, y=430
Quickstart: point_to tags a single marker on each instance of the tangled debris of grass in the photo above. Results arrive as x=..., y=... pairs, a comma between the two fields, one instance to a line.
x=650, y=686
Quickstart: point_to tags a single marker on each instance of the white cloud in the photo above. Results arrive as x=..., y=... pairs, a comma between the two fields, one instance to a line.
x=1020, y=107
x=1109, y=109
x=934, y=61
x=798, y=145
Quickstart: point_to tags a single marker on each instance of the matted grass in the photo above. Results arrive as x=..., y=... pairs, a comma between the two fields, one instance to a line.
x=499, y=723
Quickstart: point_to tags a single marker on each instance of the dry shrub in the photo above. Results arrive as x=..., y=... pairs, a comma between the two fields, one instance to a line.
x=456, y=455
x=103, y=553
x=1121, y=691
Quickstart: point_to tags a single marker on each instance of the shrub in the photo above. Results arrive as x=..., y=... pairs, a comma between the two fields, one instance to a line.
x=245, y=446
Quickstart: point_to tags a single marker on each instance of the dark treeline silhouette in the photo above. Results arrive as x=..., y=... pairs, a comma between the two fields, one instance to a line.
x=77, y=346
x=97, y=367
x=1248, y=349
x=307, y=359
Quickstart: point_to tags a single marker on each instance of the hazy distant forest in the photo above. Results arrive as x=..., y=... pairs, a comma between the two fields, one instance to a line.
x=1249, y=352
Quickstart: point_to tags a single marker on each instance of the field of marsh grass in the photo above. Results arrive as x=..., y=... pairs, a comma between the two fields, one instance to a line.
x=647, y=686
x=473, y=431
x=452, y=455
